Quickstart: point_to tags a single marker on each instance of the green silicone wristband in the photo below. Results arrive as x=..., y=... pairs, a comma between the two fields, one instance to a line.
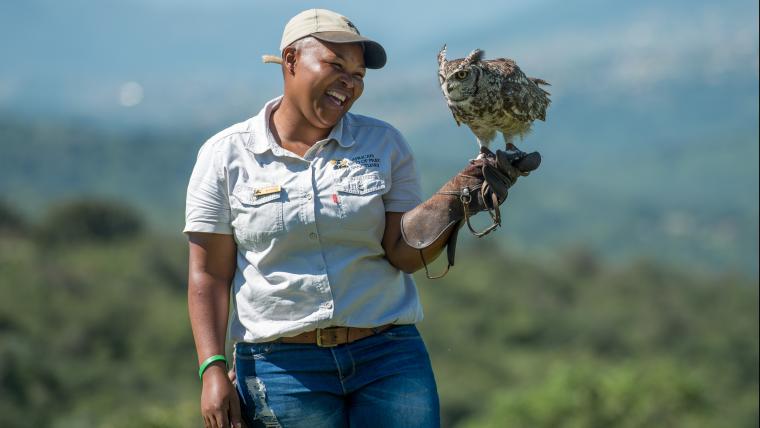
x=208, y=361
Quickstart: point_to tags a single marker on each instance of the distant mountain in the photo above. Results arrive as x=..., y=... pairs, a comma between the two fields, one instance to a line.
x=690, y=202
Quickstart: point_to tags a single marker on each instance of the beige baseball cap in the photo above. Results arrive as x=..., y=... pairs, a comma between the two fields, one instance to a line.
x=332, y=27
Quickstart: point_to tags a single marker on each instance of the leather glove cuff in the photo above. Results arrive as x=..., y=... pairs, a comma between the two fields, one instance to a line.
x=482, y=185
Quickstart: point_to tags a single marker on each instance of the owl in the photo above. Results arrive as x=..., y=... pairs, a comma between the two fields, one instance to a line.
x=491, y=95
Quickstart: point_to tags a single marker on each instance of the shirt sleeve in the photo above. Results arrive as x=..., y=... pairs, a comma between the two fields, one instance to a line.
x=207, y=206
x=406, y=190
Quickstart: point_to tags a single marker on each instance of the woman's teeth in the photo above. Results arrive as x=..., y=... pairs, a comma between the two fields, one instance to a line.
x=338, y=96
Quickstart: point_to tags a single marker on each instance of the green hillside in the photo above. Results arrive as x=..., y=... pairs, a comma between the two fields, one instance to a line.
x=681, y=200
x=94, y=333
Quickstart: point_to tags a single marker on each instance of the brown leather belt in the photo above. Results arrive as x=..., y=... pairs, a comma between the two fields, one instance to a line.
x=334, y=336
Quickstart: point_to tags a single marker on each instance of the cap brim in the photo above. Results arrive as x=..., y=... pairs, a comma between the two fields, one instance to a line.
x=374, y=54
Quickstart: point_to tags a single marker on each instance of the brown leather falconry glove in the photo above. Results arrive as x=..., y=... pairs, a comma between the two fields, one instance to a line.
x=482, y=185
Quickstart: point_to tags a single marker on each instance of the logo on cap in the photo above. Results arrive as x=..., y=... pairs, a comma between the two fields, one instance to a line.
x=350, y=25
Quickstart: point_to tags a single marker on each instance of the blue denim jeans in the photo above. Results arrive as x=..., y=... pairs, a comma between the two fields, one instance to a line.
x=384, y=380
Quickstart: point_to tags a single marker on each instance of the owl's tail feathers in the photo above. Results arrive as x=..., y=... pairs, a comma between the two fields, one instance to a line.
x=271, y=59
x=538, y=81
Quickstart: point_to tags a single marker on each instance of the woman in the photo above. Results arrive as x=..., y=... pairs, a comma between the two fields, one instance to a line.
x=299, y=210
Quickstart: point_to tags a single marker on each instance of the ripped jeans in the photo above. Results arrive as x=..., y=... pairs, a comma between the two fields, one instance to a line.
x=383, y=381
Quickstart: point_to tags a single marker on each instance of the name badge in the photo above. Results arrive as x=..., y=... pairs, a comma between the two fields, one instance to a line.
x=266, y=191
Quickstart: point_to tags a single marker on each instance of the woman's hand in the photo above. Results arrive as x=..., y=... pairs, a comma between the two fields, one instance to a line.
x=220, y=405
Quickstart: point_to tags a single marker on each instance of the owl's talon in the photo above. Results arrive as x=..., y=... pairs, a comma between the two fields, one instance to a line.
x=485, y=151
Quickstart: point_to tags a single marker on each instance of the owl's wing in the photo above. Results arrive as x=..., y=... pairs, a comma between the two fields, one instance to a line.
x=537, y=98
x=521, y=95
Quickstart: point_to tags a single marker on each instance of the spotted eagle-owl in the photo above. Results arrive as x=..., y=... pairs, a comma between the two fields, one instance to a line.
x=491, y=95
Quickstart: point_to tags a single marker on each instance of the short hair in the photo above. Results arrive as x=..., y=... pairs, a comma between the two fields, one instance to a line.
x=299, y=44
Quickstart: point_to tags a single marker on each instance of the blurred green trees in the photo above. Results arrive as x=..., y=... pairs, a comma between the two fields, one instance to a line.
x=90, y=220
x=595, y=394
x=572, y=343
x=11, y=221
x=94, y=333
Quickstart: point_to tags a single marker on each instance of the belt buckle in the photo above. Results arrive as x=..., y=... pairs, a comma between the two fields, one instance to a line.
x=322, y=344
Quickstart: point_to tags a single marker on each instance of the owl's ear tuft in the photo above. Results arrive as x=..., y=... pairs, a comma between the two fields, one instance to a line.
x=475, y=56
x=442, y=56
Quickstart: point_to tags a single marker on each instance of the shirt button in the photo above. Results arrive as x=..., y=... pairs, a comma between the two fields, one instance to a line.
x=308, y=196
x=328, y=305
x=312, y=235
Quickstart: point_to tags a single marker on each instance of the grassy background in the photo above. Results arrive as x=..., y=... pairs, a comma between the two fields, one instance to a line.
x=94, y=333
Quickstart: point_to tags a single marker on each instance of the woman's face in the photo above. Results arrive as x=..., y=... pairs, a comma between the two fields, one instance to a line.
x=327, y=79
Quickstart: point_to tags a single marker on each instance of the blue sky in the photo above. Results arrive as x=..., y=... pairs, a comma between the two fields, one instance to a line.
x=200, y=60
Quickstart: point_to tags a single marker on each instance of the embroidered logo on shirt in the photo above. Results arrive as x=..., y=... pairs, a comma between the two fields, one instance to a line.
x=367, y=161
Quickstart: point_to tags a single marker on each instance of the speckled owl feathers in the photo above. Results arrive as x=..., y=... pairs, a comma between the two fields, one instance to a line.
x=491, y=96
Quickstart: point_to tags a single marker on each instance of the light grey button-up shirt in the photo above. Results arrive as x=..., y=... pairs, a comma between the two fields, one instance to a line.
x=308, y=230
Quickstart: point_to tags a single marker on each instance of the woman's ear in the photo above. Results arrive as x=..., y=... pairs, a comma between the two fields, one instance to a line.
x=289, y=59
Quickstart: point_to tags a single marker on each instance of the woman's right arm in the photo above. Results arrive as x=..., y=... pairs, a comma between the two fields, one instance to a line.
x=212, y=267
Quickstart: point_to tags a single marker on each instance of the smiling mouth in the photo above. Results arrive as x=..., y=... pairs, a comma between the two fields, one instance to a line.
x=337, y=97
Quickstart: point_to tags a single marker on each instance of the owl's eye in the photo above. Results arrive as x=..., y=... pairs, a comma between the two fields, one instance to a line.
x=461, y=74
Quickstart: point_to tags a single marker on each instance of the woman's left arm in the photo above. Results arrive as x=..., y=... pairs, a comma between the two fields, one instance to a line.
x=400, y=254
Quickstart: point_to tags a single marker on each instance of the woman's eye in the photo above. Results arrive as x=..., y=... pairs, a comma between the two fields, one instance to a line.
x=337, y=66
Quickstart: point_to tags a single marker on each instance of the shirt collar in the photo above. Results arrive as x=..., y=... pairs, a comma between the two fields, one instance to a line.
x=263, y=139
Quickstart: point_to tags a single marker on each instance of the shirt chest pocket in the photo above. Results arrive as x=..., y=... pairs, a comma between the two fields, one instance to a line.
x=360, y=201
x=257, y=215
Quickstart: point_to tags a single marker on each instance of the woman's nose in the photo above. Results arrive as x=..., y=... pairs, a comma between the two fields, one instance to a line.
x=347, y=80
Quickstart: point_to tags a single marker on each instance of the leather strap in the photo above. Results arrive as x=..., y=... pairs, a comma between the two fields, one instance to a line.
x=334, y=336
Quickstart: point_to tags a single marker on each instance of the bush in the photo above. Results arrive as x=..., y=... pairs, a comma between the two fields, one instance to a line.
x=90, y=220
x=593, y=394
x=11, y=222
